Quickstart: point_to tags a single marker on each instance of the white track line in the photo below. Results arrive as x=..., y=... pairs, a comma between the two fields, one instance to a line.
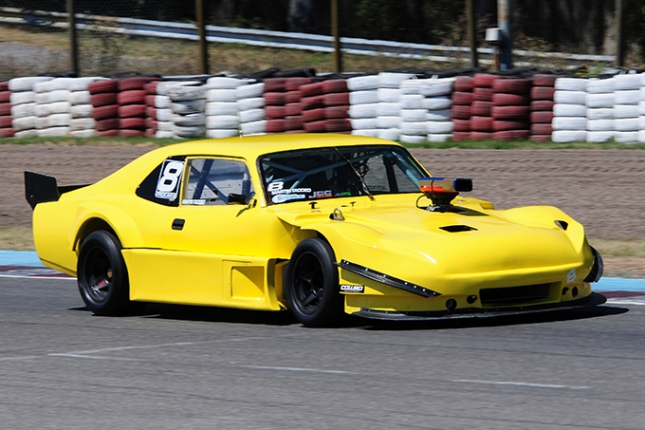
x=522, y=384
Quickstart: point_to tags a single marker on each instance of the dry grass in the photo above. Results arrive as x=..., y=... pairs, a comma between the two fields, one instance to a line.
x=16, y=239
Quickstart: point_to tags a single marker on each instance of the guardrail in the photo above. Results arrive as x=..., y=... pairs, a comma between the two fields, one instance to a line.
x=285, y=40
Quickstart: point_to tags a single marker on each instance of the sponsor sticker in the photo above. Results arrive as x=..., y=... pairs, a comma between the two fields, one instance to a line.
x=168, y=183
x=199, y=202
x=281, y=198
x=323, y=194
x=347, y=288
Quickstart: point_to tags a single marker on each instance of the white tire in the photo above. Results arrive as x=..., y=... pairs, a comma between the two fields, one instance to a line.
x=186, y=93
x=59, y=120
x=164, y=87
x=22, y=98
x=32, y=132
x=388, y=121
x=251, y=128
x=600, y=100
x=61, y=131
x=86, y=133
x=393, y=80
x=600, y=125
x=641, y=108
x=252, y=115
x=26, y=84
x=229, y=122
x=164, y=114
x=437, y=103
x=627, y=82
x=439, y=138
x=626, y=124
x=363, y=97
x=54, y=85
x=571, y=84
x=24, y=110
x=79, y=98
x=189, y=120
x=413, y=115
x=413, y=128
x=225, y=95
x=439, y=115
x=252, y=103
x=569, y=110
x=364, y=123
x=389, y=134
x=162, y=102
x=626, y=136
x=439, y=127
x=411, y=86
x=600, y=136
x=249, y=91
x=221, y=108
x=360, y=83
x=389, y=95
x=641, y=136
x=388, y=109
x=568, y=136
x=164, y=126
x=188, y=106
x=224, y=83
x=569, y=123
x=600, y=86
x=412, y=101
x=82, y=84
x=641, y=122
x=413, y=139
x=369, y=132
x=642, y=91
x=54, y=108
x=436, y=87
x=82, y=124
x=626, y=111
x=600, y=113
x=24, y=123
x=215, y=133
x=164, y=135
x=187, y=132
x=54, y=96
x=627, y=97
x=570, y=97
x=363, y=111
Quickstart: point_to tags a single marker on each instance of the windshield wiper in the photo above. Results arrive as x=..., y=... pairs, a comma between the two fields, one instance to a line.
x=358, y=175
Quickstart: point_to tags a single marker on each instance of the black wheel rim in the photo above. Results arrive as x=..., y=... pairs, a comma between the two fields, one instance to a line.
x=308, y=283
x=97, y=279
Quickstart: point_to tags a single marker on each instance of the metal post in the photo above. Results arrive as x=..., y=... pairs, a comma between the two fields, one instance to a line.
x=472, y=33
x=335, y=30
x=620, y=45
x=73, y=41
x=201, y=27
x=504, y=11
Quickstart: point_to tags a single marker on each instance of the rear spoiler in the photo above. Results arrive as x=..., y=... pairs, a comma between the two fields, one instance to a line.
x=42, y=188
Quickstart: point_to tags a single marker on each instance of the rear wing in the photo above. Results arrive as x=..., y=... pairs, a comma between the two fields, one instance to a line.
x=42, y=188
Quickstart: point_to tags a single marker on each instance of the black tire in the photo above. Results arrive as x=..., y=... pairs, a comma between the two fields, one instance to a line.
x=311, y=284
x=103, y=276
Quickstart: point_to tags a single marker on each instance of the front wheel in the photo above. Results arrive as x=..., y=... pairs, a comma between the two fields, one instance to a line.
x=103, y=276
x=311, y=284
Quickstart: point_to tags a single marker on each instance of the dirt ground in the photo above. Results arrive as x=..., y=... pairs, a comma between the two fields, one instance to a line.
x=603, y=189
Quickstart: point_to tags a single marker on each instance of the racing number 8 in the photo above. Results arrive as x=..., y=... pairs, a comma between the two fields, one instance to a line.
x=170, y=177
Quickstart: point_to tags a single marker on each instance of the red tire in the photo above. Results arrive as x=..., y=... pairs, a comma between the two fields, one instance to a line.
x=462, y=98
x=542, y=93
x=104, y=112
x=131, y=133
x=543, y=80
x=150, y=132
x=541, y=129
x=7, y=132
x=295, y=83
x=274, y=112
x=541, y=117
x=313, y=89
x=294, y=122
x=338, y=125
x=504, y=99
x=6, y=121
x=129, y=111
x=150, y=100
x=511, y=135
x=336, y=99
x=293, y=109
x=98, y=87
x=464, y=84
x=274, y=99
x=108, y=133
x=542, y=105
x=461, y=125
x=481, y=108
x=312, y=102
x=107, y=124
x=315, y=126
x=480, y=135
x=132, y=123
x=510, y=125
x=460, y=136
x=103, y=99
x=484, y=80
x=334, y=86
x=510, y=112
x=313, y=115
x=461, y=111
x=292, y=97
x=5, y=109
x=337, y=112
x=4, y=85
x=275, y=126
x=274, y=85
x=482, y=94
x=5, y=96
x=132, y=97
x=135, y=83
x=151, y=124
x=151, y=87
x=512, y=86
x=541, y=138
x=481, y=123
x=151, y=112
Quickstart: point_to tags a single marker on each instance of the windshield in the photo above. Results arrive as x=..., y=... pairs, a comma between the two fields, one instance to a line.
x=320, y=173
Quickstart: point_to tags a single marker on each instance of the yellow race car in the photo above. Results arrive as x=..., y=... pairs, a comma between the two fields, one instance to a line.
x=314, y=224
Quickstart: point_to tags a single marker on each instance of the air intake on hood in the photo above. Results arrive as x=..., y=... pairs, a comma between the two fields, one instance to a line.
x=457, y=228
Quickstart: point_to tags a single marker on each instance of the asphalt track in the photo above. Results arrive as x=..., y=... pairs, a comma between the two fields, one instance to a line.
x=208, y=368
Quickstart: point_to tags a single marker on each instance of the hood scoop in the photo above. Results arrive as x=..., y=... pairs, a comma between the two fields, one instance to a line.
x=457, y=228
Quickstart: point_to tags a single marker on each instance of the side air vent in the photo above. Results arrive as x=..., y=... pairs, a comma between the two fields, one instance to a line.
x=457, y=228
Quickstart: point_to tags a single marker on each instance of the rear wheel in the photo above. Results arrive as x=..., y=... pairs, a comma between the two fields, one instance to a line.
x=103, y=276
x=312, y=284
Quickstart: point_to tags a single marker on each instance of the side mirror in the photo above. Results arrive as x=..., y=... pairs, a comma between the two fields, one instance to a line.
x=239, y=199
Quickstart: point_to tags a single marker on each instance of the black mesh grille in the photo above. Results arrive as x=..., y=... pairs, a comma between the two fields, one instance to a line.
x=514, y=295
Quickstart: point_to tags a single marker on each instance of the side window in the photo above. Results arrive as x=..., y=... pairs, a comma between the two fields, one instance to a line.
x=212, y=181
x=162, y=184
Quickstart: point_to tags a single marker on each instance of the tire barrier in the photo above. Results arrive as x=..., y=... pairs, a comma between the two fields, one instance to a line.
x=222, y=106
x=105, y=108
x=438, y=105
x=481, y=121
x=541, y=106
x=627, y=96
x=511, y=109
x=363, y=102
x=23, y=105
x=131, y=98
x=388, y=111
x=571, y=92
x=599, y=110
x=6, y=120
x=252, y=120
